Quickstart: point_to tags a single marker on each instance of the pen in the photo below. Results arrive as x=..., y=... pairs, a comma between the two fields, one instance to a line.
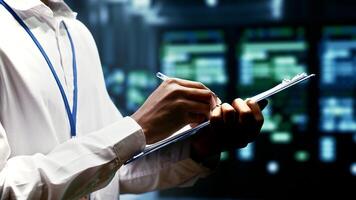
x=215, y=99
x=162, y=76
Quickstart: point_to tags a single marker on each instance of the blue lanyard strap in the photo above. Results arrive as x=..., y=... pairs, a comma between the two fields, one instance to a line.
x=72, y=114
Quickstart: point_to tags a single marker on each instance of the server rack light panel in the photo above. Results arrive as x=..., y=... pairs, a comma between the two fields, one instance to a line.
x=266, y=56
x=129, y=89
x=338, y=80
x=115, y=79
x=140, y=84
x=337, y=95
x=196, y=55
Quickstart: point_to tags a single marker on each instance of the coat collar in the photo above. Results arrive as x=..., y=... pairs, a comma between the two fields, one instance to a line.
x=56, y=7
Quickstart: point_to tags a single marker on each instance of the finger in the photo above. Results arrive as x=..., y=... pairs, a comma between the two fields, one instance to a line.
x=256, y=111
x=256, y=125
x=216, y=116
x=190, y=84
x=198, y=85
x=218, y=101
x=194, y=110
x=216, y=119
x=229, y=113
x=243, y=110
x=201, y=95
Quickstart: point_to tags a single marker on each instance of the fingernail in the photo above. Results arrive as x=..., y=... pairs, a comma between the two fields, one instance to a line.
x=213, y=105
x=218, y=101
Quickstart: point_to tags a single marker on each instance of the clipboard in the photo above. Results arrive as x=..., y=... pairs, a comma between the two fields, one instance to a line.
x=286, y=83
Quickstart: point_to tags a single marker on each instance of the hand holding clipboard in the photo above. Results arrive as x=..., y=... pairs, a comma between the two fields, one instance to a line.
x=286, y=83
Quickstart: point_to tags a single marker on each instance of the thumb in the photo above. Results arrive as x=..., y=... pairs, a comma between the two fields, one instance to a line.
x=263, y=103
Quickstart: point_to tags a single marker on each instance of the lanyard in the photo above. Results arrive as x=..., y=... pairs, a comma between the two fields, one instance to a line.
x=72, y=114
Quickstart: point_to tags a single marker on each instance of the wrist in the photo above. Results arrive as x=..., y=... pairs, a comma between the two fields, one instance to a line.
x=141, y=124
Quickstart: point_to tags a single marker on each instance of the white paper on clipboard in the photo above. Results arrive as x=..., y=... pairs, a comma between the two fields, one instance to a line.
x=286, y=83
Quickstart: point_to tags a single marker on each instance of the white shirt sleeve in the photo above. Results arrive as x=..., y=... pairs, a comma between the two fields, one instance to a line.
x=166, y=168
x=72, y=169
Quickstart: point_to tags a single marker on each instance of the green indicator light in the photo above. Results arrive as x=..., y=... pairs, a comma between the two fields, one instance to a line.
x=281, y=137
x=287, y=32
x=275, y=46
x=224, y=156
x=207, y=48
x=301, y=156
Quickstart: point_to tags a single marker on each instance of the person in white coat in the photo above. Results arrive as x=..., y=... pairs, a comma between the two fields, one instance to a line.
x=61, y=137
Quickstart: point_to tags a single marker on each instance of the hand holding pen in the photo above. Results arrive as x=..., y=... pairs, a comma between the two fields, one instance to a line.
x=215, y=101
x=173, y=105
x=231, y=126
x=177, y=103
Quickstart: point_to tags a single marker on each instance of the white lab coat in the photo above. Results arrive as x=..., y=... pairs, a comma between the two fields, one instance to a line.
x=38, y=159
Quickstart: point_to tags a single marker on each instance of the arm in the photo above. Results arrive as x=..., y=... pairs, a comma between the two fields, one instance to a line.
x=167, y=168
x=72, y=169
x=173, y=105
x=231, y=127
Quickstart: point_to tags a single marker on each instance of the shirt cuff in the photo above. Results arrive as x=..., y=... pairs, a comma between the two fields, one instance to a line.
x=129, y=141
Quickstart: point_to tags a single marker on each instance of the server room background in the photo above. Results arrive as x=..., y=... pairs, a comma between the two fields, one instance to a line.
x=239, y=48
